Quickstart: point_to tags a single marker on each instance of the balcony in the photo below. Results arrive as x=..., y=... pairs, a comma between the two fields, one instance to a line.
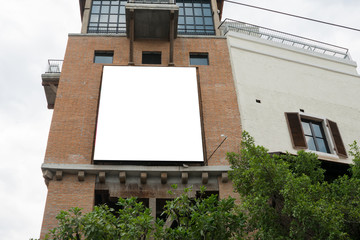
x=151, y=19
x=50, y=81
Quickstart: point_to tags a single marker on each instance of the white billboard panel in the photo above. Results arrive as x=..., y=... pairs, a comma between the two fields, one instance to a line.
x=149, y=114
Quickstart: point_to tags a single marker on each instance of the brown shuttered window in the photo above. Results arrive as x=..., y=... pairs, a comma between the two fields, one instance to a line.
x=296, y=130
x=335, y=133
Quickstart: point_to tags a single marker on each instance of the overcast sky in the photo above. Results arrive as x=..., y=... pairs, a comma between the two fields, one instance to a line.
x=34, y=31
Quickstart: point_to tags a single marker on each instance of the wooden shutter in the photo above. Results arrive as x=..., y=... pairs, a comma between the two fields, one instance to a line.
x=336, y=137
x=296, y=130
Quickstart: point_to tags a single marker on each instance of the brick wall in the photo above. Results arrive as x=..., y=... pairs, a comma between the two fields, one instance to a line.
x=71, y=137
x=74, y=119
x=64, y=194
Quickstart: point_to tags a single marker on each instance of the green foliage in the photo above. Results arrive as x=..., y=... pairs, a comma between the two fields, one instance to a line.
x=133, y=222
x=203, y=218
x=286, y=197
x=194, y=218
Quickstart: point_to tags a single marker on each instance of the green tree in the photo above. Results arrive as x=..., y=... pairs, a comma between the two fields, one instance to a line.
x=192, y=218
x=286, y=196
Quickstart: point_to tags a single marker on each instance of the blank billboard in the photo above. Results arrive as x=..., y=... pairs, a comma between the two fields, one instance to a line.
x=149, y=114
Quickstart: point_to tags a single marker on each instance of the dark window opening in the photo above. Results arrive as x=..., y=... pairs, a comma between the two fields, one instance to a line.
x=103, y=197
x=103, y=57
x=315, y=136
x=160, y=204
x=207, y=194
x=199, y=59
x=151, y=58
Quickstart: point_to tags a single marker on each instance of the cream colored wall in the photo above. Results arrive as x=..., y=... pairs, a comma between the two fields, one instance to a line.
x=287, y=79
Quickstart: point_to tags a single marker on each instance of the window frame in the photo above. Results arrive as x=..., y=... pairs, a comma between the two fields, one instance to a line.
x=198, y=55
x=100, y=20
x=330, y=130
x=195, y=17
x=312, y=122
x=103, y=53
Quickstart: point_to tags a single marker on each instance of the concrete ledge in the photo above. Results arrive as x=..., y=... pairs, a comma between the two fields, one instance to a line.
x=124, y=35
x=95, y=169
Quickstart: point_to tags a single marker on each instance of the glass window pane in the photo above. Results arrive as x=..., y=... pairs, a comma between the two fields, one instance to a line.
x=105, y=9
x=189, y=11
x=207, y=12
x=96, y=2
x=95, y=9
x=105, y=2
x=181, y=11
x=115, y=2
x=317, y=130
x=113, y=18
x=122, y=19
x=321, y=145
x=189, y=20
x=199, y=21
x=206, y=5
x=181, y=20
x=197, y=4
x=306, y=127
x=103, y=57
x=94, y=18
x=208, y=21
x=188, y=4
x=311, y=143
x=199, y=59
x=104, y=18
x=197, y=11
x=114, y=9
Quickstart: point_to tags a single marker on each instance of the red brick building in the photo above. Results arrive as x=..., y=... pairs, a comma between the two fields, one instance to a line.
x=129, y=35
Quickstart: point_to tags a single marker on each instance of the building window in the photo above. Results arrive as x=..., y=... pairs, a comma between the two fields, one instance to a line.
x=315, y=136
x=103, y=57
x=199, y=59
x=107, y=17
x=309, y=133
x=195, y=17
x=151, y=58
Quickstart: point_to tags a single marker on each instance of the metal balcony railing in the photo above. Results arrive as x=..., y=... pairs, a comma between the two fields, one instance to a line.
x=283, y=38
x=54, y=66
x=153, y=1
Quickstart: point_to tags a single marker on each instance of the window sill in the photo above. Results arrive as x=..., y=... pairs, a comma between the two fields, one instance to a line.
x=329, y=156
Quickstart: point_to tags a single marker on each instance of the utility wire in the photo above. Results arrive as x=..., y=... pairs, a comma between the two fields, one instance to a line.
x=292, y=15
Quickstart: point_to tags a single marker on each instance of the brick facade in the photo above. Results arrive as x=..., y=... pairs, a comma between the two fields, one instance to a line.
x=72, y=133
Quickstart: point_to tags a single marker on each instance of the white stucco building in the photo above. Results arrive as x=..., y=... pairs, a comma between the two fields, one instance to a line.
x=295, y=93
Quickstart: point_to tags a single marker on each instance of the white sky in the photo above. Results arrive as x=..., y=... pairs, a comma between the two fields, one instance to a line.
x=34, y=31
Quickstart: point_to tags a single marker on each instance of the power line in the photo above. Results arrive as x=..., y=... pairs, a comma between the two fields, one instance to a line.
x=292, y=15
